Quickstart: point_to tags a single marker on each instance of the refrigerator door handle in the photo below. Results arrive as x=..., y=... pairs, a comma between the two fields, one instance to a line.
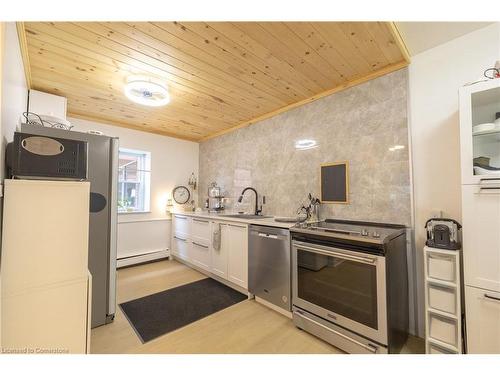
x=113, y=226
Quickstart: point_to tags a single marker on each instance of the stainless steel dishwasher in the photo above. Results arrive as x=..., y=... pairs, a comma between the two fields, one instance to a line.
x=269, y=270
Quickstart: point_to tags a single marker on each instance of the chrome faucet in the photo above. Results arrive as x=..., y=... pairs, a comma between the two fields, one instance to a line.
x=257, y=211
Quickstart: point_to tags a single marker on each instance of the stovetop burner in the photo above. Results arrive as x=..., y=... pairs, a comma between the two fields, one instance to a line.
x=363, y=231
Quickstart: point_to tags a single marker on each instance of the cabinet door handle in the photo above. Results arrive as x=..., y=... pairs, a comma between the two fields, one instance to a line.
x=489, y=188
x=489, y=179
x=181, y=217
x=201, y=221
x=179, y=238
x=496, y=299
x=200, y=245
x=442, y=256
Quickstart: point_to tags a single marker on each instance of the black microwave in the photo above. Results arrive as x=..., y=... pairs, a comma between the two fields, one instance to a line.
x=41, y=157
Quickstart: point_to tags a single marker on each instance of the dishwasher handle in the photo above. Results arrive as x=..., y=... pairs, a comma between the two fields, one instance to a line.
x=267, y=235
x=271, y=236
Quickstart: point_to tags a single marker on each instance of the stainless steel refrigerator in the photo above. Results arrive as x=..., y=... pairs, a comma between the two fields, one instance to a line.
x=103, y=176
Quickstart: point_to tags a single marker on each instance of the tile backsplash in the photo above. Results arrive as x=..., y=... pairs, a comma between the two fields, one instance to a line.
x=360, y=125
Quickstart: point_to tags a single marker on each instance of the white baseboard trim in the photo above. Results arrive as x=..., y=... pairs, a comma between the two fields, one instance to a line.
x=288, y=314
x=142, y=258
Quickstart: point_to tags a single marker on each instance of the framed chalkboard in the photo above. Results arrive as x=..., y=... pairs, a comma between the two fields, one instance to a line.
x=335, y=182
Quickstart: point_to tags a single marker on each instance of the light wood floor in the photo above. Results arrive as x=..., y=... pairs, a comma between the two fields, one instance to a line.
x=247, y=327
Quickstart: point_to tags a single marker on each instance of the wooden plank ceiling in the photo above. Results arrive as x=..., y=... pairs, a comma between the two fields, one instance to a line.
x=221, y=75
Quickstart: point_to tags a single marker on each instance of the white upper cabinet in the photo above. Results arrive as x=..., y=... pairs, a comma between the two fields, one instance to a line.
x=42, y=103
x=480, y=132
x=481, y=236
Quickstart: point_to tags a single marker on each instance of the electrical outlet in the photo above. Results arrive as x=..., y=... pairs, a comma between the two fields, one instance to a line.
x=437, y=213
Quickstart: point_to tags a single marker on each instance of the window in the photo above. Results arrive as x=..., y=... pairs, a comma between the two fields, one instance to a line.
x=134, y=176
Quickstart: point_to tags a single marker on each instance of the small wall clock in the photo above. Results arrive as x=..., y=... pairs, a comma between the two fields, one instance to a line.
x=181, y=195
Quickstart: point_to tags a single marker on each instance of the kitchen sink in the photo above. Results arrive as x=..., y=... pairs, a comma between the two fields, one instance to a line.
x=246, y=216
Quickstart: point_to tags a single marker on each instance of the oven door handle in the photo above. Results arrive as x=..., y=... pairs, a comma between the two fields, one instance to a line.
x=337, y=254
x=368, y=347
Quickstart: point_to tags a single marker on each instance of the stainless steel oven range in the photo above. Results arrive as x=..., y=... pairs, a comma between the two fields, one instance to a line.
x=350, y=285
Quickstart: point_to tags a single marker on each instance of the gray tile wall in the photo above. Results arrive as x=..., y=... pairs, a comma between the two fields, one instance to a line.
x=359, y=124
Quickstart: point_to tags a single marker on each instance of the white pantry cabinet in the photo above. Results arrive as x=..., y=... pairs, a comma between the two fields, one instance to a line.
x=480, y=162
x=483, y=321
x=481, y=236
x=46, y=286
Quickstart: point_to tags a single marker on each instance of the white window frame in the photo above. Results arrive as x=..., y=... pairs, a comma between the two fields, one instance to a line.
x=145, y=184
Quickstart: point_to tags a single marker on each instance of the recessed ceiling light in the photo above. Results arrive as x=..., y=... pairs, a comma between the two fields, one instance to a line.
x=305, y=144
x=147, y=91
x=396, y=147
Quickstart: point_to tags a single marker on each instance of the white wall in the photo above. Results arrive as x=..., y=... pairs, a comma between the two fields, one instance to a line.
x=13, y=94
x=435, y=77
x=14, y=89
x=172, y=162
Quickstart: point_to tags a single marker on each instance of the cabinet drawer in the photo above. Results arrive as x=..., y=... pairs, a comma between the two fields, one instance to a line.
x=483, y=321
x=436, y=349
x=200, y=254
x=182, y=225
x=200, y=230
x=441, y=266
x=443, y=329
x=442, y=298
x=481, y=235
x=181, y=247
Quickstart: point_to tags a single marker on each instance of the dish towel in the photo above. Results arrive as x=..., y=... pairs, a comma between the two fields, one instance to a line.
x=216, y=237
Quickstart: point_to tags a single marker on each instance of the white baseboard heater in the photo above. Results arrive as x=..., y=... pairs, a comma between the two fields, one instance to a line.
x=142, y=258
x=143, y=240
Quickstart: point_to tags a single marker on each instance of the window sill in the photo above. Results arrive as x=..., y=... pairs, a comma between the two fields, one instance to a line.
x=133, y=212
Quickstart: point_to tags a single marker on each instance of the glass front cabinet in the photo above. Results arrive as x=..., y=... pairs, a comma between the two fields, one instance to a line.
x=480, y=133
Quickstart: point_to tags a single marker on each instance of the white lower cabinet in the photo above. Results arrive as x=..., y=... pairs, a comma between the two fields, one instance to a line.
x=237, y=269
x=181, y=247
x=200, y=243
x=483, y=321
x=218, y=247
x=229, y=252
x=181, y=225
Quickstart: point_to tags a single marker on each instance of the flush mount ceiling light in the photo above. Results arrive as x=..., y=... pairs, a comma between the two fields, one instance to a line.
x=147, y=91
x=305, y=144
